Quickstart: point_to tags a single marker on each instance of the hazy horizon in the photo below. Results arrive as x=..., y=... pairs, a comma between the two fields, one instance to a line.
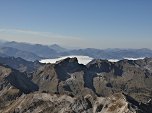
x=67, y=47
x=78, y=24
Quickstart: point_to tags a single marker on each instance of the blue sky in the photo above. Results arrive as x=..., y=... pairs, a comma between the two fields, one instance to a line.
x=78, y=23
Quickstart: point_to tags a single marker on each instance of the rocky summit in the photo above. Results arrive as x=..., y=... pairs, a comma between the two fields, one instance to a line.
x=69, y=87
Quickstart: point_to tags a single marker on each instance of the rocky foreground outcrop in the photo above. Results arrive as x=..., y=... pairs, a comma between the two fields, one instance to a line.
x=47, y=103
x=69, y=87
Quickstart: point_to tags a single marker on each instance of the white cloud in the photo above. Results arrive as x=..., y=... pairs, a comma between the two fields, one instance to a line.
x=28, y=32
x=81, y=59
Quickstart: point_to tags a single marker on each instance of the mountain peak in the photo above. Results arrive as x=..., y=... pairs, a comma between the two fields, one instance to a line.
x=55, y=45
x=57, y=48
x=68, y=60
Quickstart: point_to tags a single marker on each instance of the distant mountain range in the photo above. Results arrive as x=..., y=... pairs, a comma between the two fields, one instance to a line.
x=32, y=52
x=13, y=52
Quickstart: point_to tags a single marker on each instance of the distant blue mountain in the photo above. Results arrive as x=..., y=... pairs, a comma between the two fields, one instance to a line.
x=37, y=51
x=13, y=52
x=58, y=48
x=112, y=53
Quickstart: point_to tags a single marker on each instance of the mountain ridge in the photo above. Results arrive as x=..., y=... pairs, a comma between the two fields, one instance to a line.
x=55, y=51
